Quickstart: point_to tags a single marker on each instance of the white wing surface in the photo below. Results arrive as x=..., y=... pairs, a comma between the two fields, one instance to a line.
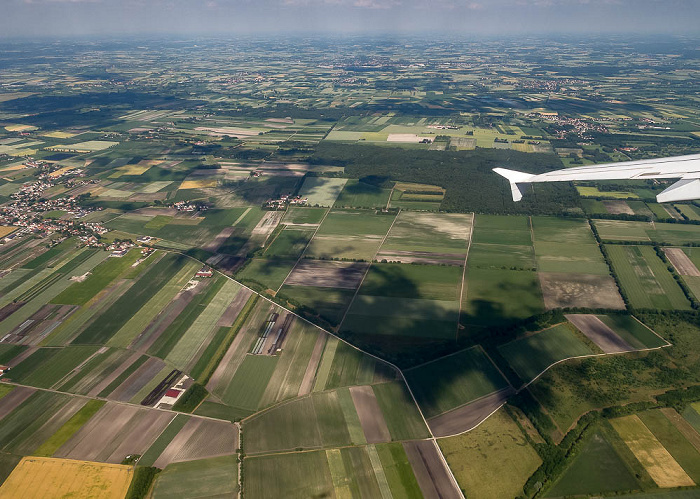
x=685, y=168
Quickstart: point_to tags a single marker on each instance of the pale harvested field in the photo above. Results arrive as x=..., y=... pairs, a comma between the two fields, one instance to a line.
x=327, y=274
x=467, y=417
x=407, y=137
x=681, y=262
x=199, y=184
x=618, y=208
x=599, y=333
x=48, y=478
x=307, y=382
x=658, y=462
x=137, y=380
x=434, y=479
x=6, y=230
x=12, y=400
x=371, y=418
x=199, y=439
x=230, y=131
x=579, y=290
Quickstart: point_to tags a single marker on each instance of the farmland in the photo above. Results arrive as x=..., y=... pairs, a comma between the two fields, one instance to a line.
x=226, y=261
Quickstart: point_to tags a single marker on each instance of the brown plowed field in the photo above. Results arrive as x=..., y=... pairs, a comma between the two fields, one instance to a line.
x=468, y=416
x=12, y=400
x=618, y=208
x=434, y=479
x=137, y=380
x=681, y=262
x=97, y=434
x=327, y=274
x=199, y=439
x=579, y=290
x=599, y=333
x=307, y=383
x=140, y=434
x=113, y=375
x=229, y=316
x=220, y=239
x=371, y=418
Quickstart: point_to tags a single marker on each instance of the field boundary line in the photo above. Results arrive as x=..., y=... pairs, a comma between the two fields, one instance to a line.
x=464, y=276
x=301, y=256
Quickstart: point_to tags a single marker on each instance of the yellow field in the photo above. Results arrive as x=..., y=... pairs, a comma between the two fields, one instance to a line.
x=137, y=169
x=593, y=192
x=19, y=128
x=6, y=229
x=13, y=168
x=61, y=171
x=59, y=135
x=45, y=477
x=198, y=184
x=408, y=186
x=658, y=462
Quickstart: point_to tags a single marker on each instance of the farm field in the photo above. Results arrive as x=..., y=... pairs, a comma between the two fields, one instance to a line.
x=46, y=477
x=655, y=458
x=531, y=355
x=358, y=194
x=321, y=191
x=597, y=469
x=662, y=233
x=453, y=381
x=492, y=461
x=202, y=478
x=645, y=279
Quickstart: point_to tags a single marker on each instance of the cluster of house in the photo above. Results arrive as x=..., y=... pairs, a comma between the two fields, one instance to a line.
x=286, y=199
x=188, y=206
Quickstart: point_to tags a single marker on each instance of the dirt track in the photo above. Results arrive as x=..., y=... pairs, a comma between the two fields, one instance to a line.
x=681, y=262
x=599, y=333
x=371, y=418
x=468, y=416
x=434, y=479
x=327, y=274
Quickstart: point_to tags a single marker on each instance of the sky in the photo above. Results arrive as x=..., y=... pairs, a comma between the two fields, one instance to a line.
x=38, y=18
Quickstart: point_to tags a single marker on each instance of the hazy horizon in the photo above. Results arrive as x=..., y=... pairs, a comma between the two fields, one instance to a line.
x=42, y=18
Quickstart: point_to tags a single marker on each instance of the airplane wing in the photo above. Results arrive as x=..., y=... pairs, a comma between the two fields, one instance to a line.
x=685, y=168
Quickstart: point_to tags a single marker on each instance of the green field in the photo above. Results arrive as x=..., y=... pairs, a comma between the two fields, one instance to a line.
x=501, y=256
x=47, y=366
x=250, y=381
x=278, y=475
x=645, y=279
x=213, y=477
x=428, y=282
x=289, y=244
x=303, y=215
x=321, y=191
x=399, y=411
x=453, y=381
x=80, y=293
x=533, y=354
x=69, y=428
x=630, y=330
x=358, y=194
x=496, y=296
x=597, y=469
x=329, y=303
x=271, y=273
x=492, y=461
x=343, y=365
x=433, y=233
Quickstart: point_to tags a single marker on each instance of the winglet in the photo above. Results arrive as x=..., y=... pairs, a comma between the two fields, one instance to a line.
x=517, y=181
